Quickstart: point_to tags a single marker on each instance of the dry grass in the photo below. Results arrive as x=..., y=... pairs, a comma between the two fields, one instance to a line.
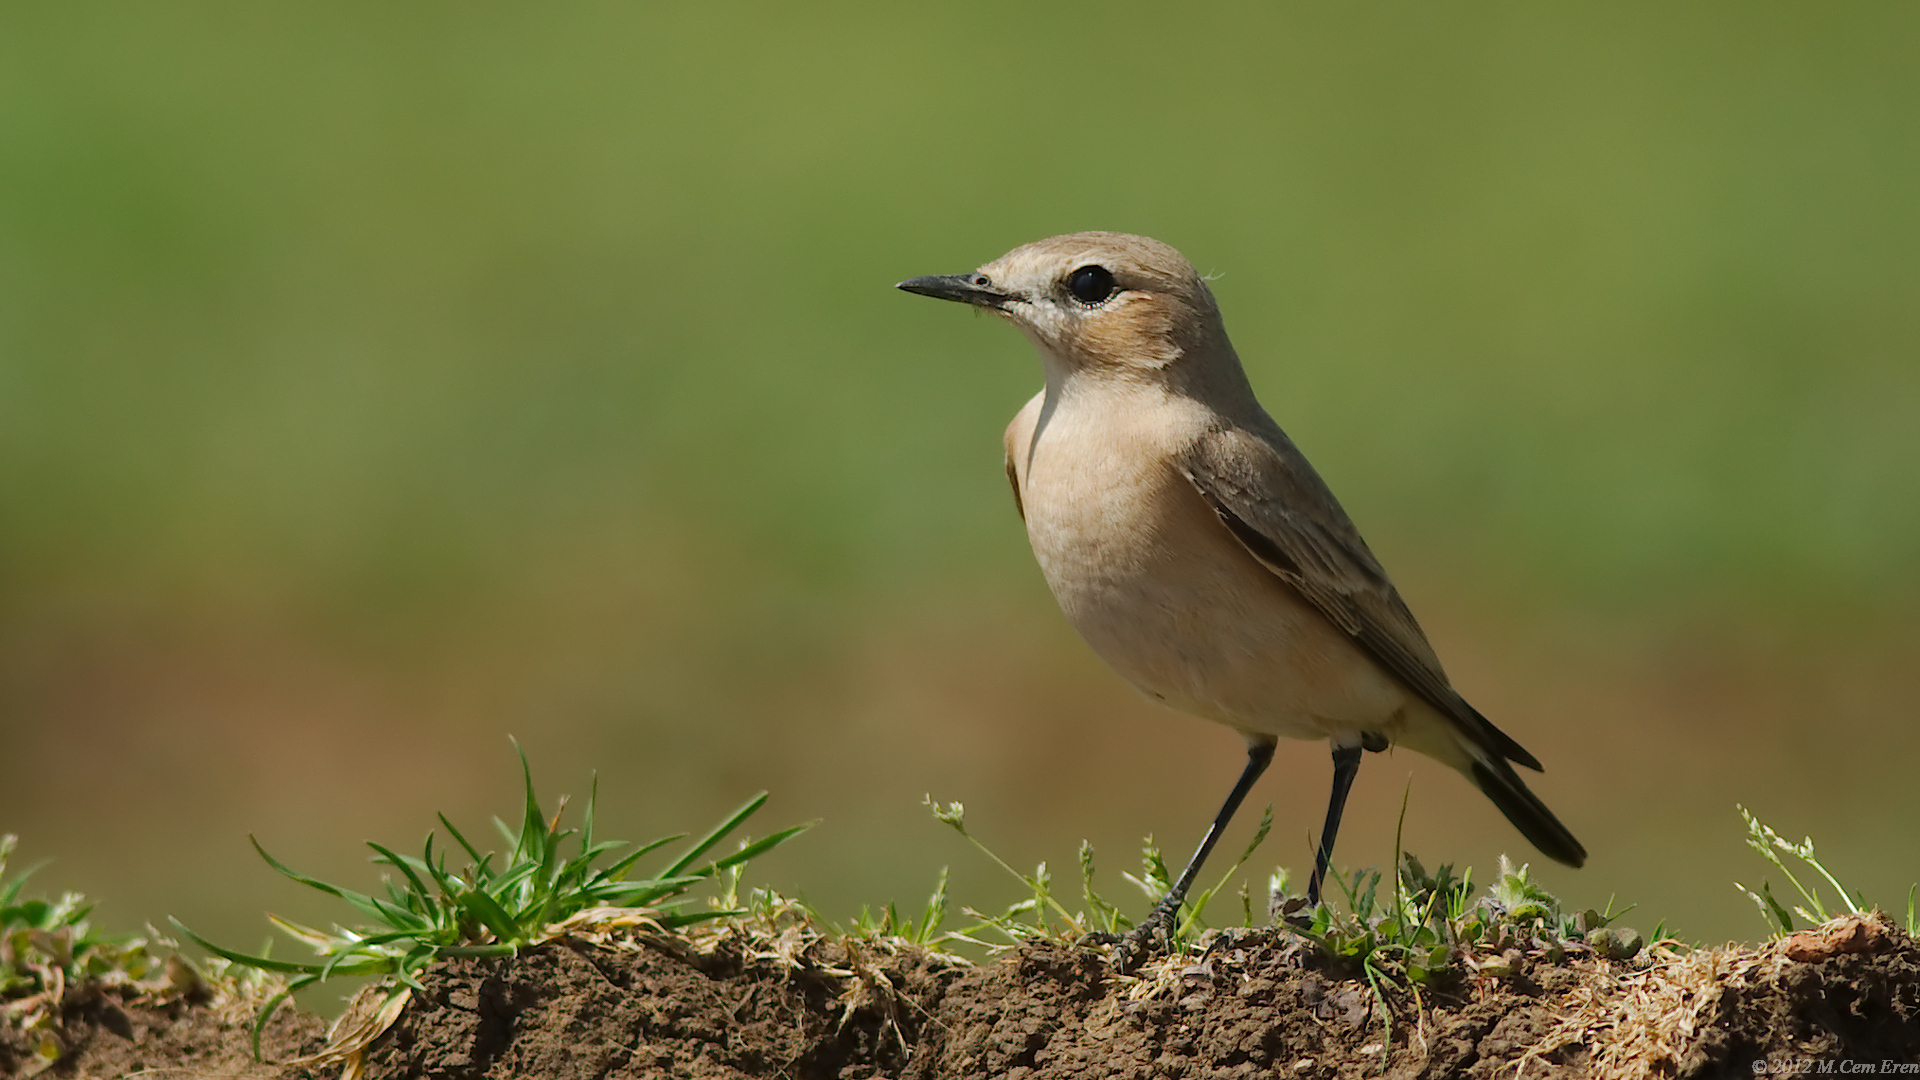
x=1650, y=1022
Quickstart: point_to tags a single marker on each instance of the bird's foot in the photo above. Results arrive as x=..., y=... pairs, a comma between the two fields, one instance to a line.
x=1154, y=934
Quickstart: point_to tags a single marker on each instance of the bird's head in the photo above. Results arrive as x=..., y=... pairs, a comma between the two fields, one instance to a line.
x=1097, y=302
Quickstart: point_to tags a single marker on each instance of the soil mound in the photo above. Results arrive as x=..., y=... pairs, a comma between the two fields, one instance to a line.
x=808, y=1007
x=103, y=1036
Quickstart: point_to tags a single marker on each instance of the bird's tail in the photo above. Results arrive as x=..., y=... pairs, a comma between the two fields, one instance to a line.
x=1500, y=783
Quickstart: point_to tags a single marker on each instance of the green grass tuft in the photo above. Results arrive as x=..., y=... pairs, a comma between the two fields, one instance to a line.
x=538, y=891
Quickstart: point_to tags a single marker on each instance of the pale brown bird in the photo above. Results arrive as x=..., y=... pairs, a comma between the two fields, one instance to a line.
x=1197, y=551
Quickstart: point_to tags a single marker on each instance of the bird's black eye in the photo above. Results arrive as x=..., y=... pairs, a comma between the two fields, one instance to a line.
x=1091, y=284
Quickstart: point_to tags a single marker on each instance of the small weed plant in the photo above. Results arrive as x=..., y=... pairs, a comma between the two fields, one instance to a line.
x=1772, y=847
x=1029, y=917
x=1418, y=927
x=51, y=956
x=47, y=946
x=889, y=923
x=1428, y=920
x=543, y=888
x=1407, y=931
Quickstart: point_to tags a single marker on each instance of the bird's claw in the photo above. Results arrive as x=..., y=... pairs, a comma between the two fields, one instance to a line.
x=1153, y=935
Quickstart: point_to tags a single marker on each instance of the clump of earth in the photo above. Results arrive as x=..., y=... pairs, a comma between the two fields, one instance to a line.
x=798, y=1003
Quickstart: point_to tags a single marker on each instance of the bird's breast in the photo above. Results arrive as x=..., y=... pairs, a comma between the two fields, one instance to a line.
x=1159, y=588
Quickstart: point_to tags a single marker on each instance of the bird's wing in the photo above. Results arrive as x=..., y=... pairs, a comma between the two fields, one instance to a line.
x=1282, y=513
x=1013, y=479
x=1018, y=441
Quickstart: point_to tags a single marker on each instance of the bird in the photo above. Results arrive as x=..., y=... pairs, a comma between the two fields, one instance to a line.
x=1199, y=554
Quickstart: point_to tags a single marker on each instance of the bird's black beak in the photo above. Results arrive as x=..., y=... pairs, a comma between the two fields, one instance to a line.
x=976, y=289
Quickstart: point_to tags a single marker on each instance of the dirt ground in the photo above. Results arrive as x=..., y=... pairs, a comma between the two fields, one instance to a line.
x=101, y=1038
x=805, y=1006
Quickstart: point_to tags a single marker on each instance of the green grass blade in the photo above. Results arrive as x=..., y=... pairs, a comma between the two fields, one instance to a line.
x=267, y=1010
x=1195, y=909
x=1780, y=916
x=758, y=848
x=586, y=816
x=1399, y=831
x=1850, y=899
x=400, y=918
x=640, y=893
x=533, y=823
x=448, y=884
x=718, y=833
x=509, y=836
x=406, y=864
x=357, y=961
x=512, y=880
x=472, y=852
x=935, y=912
x=675, y=921
x=618, y=869
x=366, y=904
x=449, y=952
x=1107, y=916
x=285, y=967
x=488, y=911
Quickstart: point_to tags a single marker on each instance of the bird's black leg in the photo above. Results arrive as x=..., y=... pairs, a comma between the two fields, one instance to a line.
x=1159, y=922
x=1346, y=765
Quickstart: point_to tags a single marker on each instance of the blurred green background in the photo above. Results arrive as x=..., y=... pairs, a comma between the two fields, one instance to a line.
x=378, y=380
